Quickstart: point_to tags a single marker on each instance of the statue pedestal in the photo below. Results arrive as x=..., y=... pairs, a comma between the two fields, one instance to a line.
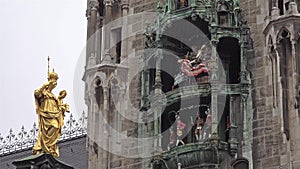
x=40, y=161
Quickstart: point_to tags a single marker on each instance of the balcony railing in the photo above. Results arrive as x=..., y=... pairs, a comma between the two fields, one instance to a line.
x=24, y=140
x=201, y=90
x=210, y=153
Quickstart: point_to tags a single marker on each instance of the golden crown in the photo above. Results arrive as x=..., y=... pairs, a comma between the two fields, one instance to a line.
x=52, y=76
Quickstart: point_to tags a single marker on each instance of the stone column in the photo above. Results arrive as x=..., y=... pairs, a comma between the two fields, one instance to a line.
x=214, y=88
x=124, y=8
x=145, y=81
x=107, y=31
x=93, y=16
x=98, y=46
x=294, y=60
x=243, y=62
x=92, y=27
x=108, y=11
x=244, y=98
x=233, y=128
x=214, y=109
x=94, y=10
x=157, y=87
x=91, y=130
x=275, y=10
x=157, y=104
x=88, y=17
x=145, y=99
x=96, y=122
x=278, y=83
x=91, y=115
x=243, y=48
x=294, y=80
x=106, y=134
x=95, y=132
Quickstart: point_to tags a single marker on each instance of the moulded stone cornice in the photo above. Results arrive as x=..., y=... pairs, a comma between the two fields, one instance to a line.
x=281, y=20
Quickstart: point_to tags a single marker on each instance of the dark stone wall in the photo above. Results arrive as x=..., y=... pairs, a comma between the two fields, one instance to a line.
x=269, y=148
x=72, y=152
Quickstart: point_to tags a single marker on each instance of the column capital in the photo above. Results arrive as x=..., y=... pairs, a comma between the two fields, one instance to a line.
x=108, y=3
x=124, y=4
x=93, y=5
x=275, y=12
x=293, y=8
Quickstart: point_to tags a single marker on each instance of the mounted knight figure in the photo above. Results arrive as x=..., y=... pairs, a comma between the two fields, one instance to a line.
x=192, y=66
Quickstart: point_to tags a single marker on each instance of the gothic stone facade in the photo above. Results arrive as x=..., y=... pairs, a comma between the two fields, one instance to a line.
x=274, y=66
x=267, y=130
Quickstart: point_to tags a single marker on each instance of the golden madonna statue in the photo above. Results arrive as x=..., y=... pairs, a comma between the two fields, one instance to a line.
x=50, y=110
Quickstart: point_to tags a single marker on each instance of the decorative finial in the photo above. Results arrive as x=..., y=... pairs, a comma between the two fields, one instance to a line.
x=51, y=75
x=48, y=64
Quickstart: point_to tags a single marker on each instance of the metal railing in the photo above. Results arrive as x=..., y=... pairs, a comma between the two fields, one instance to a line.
x=24, y=140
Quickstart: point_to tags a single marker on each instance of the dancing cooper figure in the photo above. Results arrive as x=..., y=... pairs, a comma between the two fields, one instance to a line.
x=50, y=112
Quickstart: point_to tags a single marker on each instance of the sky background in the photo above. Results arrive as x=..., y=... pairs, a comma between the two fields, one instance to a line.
x=31, y=31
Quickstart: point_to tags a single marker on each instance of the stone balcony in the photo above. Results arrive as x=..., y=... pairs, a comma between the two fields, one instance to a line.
x=208, y=154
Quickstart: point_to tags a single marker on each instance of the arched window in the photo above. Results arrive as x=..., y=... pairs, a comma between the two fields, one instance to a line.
x=96, y=109
x=240, y=163
x=285, y=62
x=115, y=108
x=99, y=92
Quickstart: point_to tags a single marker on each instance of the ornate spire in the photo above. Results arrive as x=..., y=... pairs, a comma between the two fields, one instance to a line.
x=48, y=64
x=51, y=75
